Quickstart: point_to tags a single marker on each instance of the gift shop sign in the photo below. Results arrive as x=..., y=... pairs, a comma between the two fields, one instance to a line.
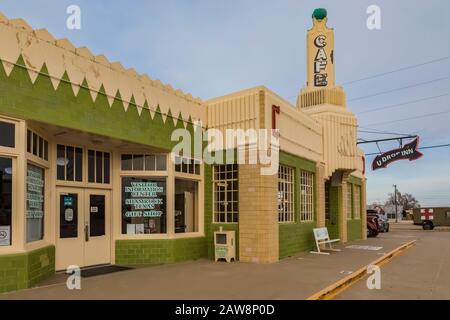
x=408, y=152
x=144, y=197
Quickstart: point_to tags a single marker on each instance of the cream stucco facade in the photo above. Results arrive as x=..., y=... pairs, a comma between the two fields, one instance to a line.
x=79, y=102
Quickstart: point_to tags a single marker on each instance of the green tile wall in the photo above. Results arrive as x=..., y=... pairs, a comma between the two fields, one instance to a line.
x=297, y=236
x=24, y=270
x=138, y=252
x=354, y=229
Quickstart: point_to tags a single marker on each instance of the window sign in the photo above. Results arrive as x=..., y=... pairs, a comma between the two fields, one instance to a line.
x=5, y=236
x=68, y=216
x=143, y=205
x=35, y=203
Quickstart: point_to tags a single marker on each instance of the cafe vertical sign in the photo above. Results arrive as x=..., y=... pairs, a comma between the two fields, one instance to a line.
x=320, y=44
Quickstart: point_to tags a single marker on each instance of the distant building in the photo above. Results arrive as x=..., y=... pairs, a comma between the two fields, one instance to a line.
x=390, y=211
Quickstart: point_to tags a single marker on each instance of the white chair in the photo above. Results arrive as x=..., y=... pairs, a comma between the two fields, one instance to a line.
x=322, y=238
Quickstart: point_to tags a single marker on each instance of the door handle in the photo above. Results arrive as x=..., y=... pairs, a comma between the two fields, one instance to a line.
x=86, y=232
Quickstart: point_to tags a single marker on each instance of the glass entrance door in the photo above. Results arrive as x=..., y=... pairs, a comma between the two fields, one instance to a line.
x=97, y=228
x=83, y=228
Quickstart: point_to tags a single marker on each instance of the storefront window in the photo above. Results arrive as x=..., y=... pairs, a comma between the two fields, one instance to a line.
x=7, y=134
x=144, y=205
x=226, y=203
x=5, y=201
x=186, y=206
x=35, y=203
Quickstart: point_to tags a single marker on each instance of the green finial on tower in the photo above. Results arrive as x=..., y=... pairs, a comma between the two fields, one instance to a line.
x=320, y=13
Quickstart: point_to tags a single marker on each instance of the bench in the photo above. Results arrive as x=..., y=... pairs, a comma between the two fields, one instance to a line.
x=322, y=238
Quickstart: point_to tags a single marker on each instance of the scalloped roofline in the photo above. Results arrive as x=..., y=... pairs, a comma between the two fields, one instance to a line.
x=85, y=53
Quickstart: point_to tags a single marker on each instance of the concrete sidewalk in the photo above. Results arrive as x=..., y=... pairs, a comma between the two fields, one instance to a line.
x=292, y=278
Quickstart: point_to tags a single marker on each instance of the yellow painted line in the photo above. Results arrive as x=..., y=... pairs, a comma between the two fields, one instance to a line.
x=333, y=290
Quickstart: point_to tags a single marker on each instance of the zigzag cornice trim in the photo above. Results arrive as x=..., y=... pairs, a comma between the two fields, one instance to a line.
x=39, y=47
x=117, y=96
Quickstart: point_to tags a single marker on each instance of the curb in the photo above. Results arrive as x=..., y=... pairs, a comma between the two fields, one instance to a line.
x=334, y=289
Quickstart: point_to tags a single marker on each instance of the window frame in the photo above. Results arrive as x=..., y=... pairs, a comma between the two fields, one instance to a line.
x=74, y=182
x=289, y=216
x=96, y=184
x=144, y=171
x=193, y=163
x=30, y=154
x=17, y=128
x=214, y=182
x=349, y=199
x=45, y=224
x=309, y=206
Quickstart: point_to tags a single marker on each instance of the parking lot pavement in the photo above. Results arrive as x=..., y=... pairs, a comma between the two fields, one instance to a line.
x=422, y=272
x=292, y=278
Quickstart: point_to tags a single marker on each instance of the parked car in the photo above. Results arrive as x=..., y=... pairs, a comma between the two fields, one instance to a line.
x=372, y=226
x=383, y=220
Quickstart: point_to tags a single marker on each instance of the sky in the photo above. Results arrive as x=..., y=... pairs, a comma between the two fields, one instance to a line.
x=210, y=48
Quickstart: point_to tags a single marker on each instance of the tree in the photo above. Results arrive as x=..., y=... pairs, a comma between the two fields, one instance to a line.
x=406, y=200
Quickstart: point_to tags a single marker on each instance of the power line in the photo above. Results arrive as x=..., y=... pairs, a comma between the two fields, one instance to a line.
x=405, y=103
x=422, y=148
x=412, y=118
x=390, y=72
x=399, y=89
x=396, y=70
x=382, y=132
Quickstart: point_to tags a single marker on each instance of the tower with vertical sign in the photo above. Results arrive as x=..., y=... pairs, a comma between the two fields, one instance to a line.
x=320, y=52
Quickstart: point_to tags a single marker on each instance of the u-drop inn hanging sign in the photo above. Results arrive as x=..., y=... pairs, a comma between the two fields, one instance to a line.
x=408, y=152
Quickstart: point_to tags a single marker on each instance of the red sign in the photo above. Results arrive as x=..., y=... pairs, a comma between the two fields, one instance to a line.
x=426, y=214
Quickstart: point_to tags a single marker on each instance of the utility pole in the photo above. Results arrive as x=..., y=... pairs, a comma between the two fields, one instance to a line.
x=395, y=203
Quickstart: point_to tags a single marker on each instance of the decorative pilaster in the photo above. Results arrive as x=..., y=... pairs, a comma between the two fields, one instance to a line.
x=320, y=194
x=258, y=215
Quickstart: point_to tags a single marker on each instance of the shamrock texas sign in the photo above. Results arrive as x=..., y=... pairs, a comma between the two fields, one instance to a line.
x=409, y=151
